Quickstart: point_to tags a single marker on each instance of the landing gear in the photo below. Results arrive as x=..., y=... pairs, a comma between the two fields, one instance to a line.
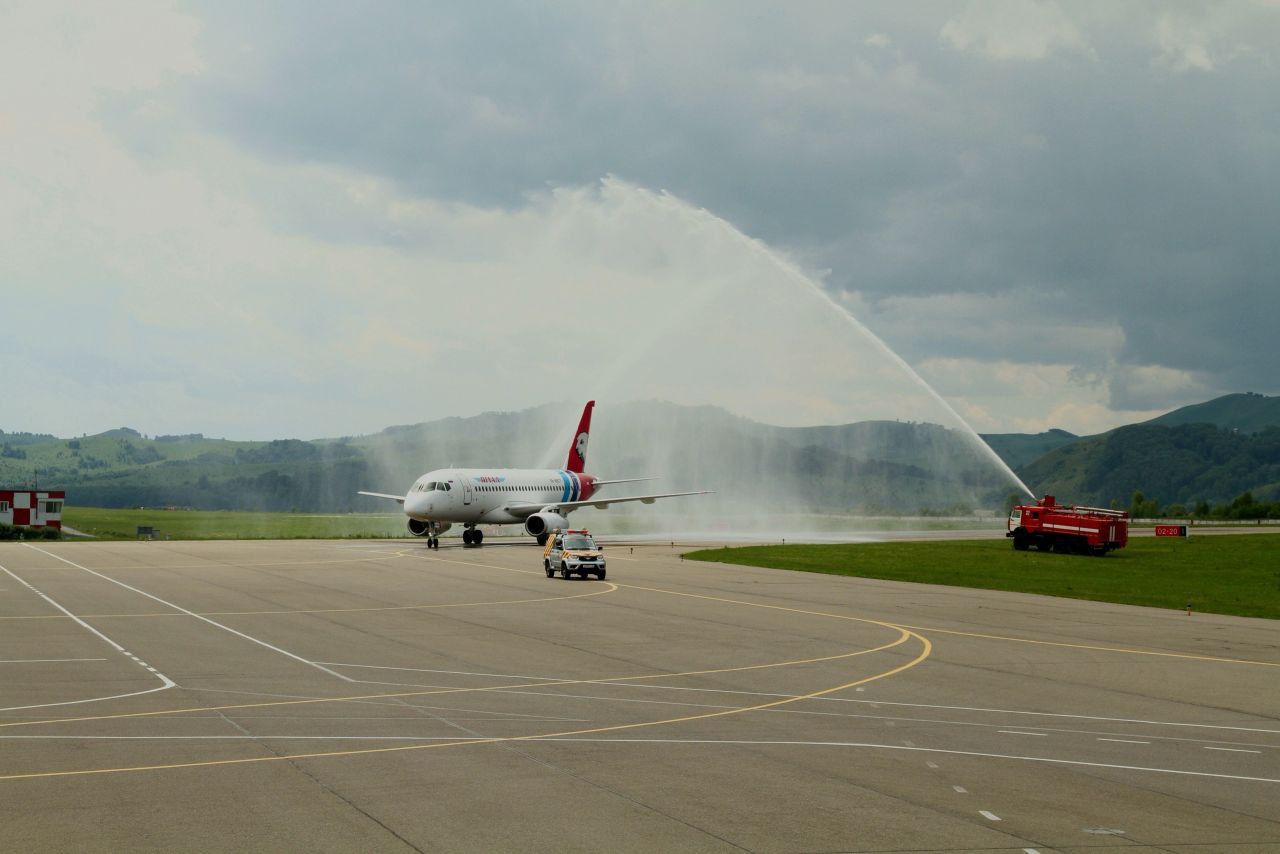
x=473, y=536
x=433, y=542
x=542, y=538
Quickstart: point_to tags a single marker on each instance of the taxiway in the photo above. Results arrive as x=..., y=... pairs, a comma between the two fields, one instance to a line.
x=383, y=697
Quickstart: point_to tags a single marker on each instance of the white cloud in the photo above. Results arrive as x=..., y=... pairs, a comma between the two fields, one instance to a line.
x=202, y=289
x=1182, y=45
x=265, y=250
x=1013, y=30
x=1002, y=396
x=1155, y=386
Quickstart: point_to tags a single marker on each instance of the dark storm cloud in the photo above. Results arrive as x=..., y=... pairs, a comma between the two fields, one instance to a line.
x=1125, y=170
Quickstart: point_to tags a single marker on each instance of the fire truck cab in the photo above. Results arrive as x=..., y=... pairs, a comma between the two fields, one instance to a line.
x=1049, y=526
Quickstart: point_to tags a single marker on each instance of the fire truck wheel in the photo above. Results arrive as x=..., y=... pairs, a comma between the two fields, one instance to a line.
x=1020, y=542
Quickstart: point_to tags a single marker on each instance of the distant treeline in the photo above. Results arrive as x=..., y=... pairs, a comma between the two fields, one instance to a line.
x=1242, y=507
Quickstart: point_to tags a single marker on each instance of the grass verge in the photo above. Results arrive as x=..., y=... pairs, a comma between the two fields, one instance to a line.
x=111, y=524
x=1237, y=575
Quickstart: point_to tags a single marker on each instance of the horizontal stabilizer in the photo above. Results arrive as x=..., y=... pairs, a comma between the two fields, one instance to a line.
x=623, y=480
x=399, y=498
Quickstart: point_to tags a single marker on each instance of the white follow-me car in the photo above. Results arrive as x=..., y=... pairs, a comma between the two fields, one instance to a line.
x=573, y=552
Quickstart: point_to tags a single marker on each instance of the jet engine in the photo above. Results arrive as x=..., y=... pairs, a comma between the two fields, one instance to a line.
x=542, y=523
x=427, y=529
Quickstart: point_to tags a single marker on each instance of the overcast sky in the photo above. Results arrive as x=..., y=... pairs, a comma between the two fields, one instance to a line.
x=316, y=219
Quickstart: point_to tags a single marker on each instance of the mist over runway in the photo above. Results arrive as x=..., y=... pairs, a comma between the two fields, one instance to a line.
x=331, y=695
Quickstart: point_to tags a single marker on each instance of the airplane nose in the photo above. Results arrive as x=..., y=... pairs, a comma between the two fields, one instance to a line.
x=416, y=505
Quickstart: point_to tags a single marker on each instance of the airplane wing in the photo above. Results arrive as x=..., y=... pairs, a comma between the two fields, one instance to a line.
x=399, y=498
x=601, y=503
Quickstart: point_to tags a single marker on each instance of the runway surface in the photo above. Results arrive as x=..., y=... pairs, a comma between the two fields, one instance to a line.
x=331, y=696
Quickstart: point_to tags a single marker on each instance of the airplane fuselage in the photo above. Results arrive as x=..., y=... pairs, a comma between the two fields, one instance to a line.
x=540, y=499
x=488, y=496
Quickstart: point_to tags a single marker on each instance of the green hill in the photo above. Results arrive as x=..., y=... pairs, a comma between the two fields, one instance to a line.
x=1184, y=464
x=1209, y=452
x=1018, y=449
x=1248, y=413
x=867, y=468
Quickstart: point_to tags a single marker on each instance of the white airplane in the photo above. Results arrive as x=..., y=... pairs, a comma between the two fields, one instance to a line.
x=541, y=499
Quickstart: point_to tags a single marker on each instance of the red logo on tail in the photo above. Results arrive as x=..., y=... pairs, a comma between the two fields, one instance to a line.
x=578, y=450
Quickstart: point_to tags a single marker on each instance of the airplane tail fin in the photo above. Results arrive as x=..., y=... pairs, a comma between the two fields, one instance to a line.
x=578, y=449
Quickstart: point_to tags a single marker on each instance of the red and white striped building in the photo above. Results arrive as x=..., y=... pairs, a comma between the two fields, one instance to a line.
x=32, y=509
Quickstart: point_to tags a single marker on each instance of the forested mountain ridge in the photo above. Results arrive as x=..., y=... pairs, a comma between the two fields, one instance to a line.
x=866, y=468
x=1210, y=452
x=1184, y=464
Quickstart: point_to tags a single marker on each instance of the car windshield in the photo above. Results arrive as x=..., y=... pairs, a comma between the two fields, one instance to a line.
x=578, y=543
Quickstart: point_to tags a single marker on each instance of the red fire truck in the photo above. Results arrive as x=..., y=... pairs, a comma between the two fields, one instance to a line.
x=1050, y=526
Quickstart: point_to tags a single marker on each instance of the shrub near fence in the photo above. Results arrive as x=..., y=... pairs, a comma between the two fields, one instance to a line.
x=20, y=532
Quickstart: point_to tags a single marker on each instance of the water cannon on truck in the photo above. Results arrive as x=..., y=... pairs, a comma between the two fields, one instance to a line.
x=1050, y=526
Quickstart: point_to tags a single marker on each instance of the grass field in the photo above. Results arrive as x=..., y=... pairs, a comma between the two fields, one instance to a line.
x=218, y=525
x=1219, y=574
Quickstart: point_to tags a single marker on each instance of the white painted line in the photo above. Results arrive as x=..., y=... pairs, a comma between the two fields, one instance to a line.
x=1020, y=732
x=961, y=789
x=236, y=738
x=932, y=764
x=46, y=660
x=989, y=815
x=1049, y=760
x=203, y=619
x=875, y=704
x=1021, y=712
x=1030, y=851
x=82, y=623
x=165, y=680
x=455, y=672
x=1124, y=740
x=1233, y=749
